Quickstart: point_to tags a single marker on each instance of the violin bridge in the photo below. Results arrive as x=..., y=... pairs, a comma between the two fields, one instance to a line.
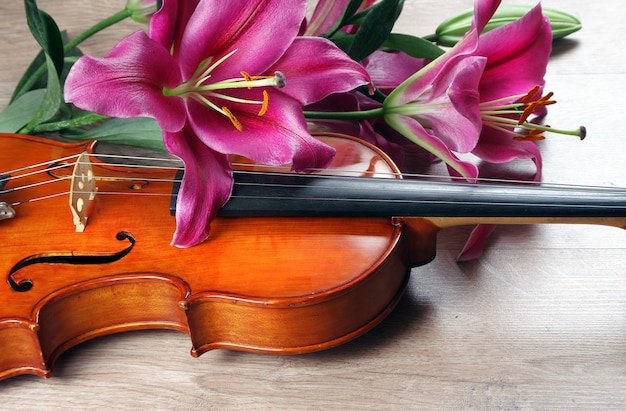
x=82, y=191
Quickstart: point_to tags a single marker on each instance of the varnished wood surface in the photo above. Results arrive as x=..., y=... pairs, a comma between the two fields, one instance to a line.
x=538, y=322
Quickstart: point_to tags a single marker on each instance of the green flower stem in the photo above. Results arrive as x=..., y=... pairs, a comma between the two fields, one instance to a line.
x=101, y=25
x=345, y=115
x=81, y=121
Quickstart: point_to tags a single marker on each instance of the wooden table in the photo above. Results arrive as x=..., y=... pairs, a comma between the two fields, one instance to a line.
x=538, y=322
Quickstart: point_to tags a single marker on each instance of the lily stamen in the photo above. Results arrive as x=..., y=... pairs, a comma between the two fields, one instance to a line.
x=232, y=118
x=533, y=135
x=533, y=106
x=200, y=88
x=265, y=105
x=502, y=117
x=529, y=96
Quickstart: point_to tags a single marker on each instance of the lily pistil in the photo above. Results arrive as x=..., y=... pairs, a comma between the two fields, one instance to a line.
x=512, y=118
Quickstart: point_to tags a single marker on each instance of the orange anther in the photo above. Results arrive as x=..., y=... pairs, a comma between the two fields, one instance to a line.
x=529, y=96
x=266, y=103
x=533, y=135
x=232, y=119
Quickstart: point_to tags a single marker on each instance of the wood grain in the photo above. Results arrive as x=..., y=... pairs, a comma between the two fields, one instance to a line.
x=538, y=322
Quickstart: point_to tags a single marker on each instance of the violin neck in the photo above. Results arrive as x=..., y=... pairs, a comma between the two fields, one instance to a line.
x=291, y=195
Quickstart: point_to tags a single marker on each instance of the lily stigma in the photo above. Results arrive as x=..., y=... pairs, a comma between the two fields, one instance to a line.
x=501, y=117
x=201, y=89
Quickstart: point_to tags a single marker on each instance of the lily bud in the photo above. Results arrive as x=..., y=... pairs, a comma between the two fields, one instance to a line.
x=452, y=30
x=141, y=10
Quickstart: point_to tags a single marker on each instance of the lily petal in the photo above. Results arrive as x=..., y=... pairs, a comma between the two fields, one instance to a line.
x=475, y=243
x=518, y=55
x=415, y=86
x=496, y=148
x=128, y=82
x=166, y=25
x=206, y=186
x=389, y=69
x=324, y=16
x=246, y=26
x=414, y=131
x=483, y=11
x=311, y=79
x=278, y=137
x=457, y=124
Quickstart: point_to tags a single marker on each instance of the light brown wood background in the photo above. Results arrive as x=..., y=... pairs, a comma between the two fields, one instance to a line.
x=538, y=322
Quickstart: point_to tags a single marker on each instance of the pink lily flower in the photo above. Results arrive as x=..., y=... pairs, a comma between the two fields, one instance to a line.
x=517, y=57
x=438, y=107
x=504, y=73
x=509, y=89
x=217, y=85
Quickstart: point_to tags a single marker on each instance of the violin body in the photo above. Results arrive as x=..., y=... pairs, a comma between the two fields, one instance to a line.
x=275, y=284
x=272, y=284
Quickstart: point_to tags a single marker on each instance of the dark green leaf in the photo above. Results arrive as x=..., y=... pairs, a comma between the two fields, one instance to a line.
x=413, y=46
x=375, y=29
x=46, y=32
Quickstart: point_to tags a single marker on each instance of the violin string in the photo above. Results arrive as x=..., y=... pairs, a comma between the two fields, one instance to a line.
x=310, y=172
x=338, y=188
x=422, y=178
x=43, y=167
x=396, y=201
x=304, y=176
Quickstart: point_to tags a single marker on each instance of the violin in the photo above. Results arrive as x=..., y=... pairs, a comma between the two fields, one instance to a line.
x=294, y=263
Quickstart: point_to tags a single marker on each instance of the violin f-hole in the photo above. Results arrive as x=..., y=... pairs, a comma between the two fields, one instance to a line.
x=26, y=284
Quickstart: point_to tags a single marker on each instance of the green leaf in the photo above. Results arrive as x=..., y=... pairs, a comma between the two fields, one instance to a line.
x=360, y=16
x=33, y=78
x=46, y=32
x=413, y=46
x=22, y=86
x=375, y=28
x=51, y=101
x=138, y=132
x=20, y=111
